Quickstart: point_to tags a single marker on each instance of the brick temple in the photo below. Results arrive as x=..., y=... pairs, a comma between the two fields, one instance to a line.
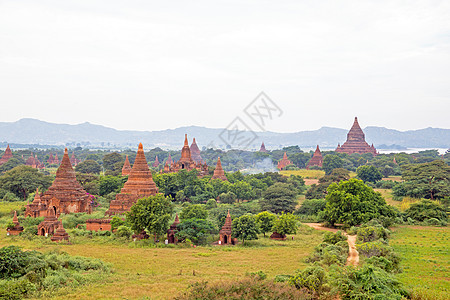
x=156, y=163
x=356, y=142
x=195, y=152
x=171, y=238
x=6, y=156
x=282, y=164
x=186, y=162
x=34, y=162
x=263, y=148
x=65, y=195
x=218, y=171
x=53, y=160
x=140, y=184
x=126, y=169
x=225, y=234
x=17, y=229
x=316, y=160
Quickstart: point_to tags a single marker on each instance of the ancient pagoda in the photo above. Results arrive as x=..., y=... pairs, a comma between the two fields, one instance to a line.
x=218, y=171
x=6, y=156
x=60, y=233
x=126, y=169
x=225, y=233
x=195, y=152
x=156, y=163
x=140, y=184
x=65, y=195
x=53, y=160
x=169, y=160
x=49, y=225
x=282, y=164
x=186, y=162
x=171, y=238
x=263, y=148
x=356, y=142
x=17, y=229
x=316, y=160
x=73, y=160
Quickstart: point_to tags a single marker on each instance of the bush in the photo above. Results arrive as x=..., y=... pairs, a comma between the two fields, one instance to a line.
x=211, y=203
x=227, y=198
x=123, y=231
x=426, y=209
x=312, y=278
x=311, y=207
x=16, y=289
x=376, y=248
x=334, y=238
x=10, y=197
x=372, y=233
x=116, y=222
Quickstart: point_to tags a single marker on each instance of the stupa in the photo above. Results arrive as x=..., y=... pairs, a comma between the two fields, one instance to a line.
x=356, y=142
x=171, y=238
x=49, y=225
x=156, y=163
x=53, y=160
x=186, y=162
x=218, y=172
x=73, y=160
x=195, y=152
x=140, y=184
x=316, y=160
x=225, y=233
x=17, y=229
x=6, y=156
x=126, y=169
x=65, y=195
x=284, y=162
x=169, y=160
x=263, y=148
x=60, y=233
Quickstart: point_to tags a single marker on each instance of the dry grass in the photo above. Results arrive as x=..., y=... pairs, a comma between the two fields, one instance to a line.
x=310, y=174
x=393, y=178
x=161, y=273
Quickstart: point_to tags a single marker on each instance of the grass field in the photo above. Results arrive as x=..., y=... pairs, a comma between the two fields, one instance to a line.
x=425, y=253
x=160, y=273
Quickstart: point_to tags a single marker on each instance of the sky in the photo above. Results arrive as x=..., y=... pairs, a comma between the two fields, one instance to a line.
x=154, y=65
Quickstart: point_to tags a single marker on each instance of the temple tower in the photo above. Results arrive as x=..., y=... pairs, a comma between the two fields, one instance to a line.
x=218, y=172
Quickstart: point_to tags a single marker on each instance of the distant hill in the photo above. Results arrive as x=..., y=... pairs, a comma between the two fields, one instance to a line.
x=32, y=131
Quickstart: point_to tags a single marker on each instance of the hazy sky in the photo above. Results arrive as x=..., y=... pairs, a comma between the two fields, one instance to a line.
x=151, y=65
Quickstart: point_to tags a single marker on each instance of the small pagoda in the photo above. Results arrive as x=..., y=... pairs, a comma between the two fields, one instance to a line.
x=53, y=160
x=282, y=164
x=49, y=225
x=6, y=156
x=60, y=234
x=316, y=160
x=17, y=229
x=263, y=148
x=186, y=162
x=126, y=169
x=356, y=142
x=171, y=238
x=156, y=163
x=195, y=152
x=225, y=233
x=140, y=184
x=73, y=160
x=219, y=172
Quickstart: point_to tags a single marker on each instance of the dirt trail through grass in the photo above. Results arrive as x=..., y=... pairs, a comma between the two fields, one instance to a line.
x=353, y=256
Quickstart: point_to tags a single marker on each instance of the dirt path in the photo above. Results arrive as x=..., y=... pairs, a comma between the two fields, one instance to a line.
x=353, y=256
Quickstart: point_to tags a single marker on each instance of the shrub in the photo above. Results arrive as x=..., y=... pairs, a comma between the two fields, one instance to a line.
x=426, y=209
x=370, y=249
x=312, y=278
x=211, y=203
x=311, y=207
x=372, y=233
x=16, y=289
x=10, y=197
x=334, y=238
x=227, y=198
x=124, y=231
x=116, y=222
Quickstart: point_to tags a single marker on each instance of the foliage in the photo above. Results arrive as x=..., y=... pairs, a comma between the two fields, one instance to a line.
x=109, y=184
x=227, y=198
x=312, y=278
x=23, y=179
x=110, y=161
x=425, y=210
x=279, y=198
x=369, y=174
x=88, y=167
x=372, y=233
x=211, y=203
x=352, y=203
x=191, y=211
x=196, y=230
x=311, y=207
x=11, y=164
x=151, y=213
x=285, y=224
x=331, y=162
x=10, y=197
x=245, y=228
x=334, y=237
x=319, y=191
x=116, y=222
x=123, y=231
x=265, y=221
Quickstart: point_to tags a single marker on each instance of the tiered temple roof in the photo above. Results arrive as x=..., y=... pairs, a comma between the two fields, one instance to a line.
x=60, y=233
x=169, y=160
x=156, y=163
x=140, y=184
x=195, y=152
x=263, y=148
x=65, y=195
x=17, y=229
x=356, y=142
x=126, y=169
x=73, y=160
x=218, y=172
x=6, y=156
x=316, y=160
x=284, y=162
x=172, y=239
x=225, y=233
x=34, y=162
x=186, y=162
x=53, y=160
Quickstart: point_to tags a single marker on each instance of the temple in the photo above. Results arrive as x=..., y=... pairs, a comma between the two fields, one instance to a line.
x=34, y=162
x=218, y=171
x=156, y=163
x=140, y=184
x=186, y=162
x=49, y=225
x=65, y=195
x=98, y=224
x=225, y=233
x=6, y=156
x=60, y=233
x=17, y=229
x=195, y=152
x=73, y=160
x=356, y=142
x=282, y=164
x=171, y=238
x=53, y=160
x=316, y=160
x=169, y=160
x=263, y=148
x=126, y=169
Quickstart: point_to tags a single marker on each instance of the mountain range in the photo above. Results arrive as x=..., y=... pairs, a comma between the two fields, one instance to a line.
x=36, y=132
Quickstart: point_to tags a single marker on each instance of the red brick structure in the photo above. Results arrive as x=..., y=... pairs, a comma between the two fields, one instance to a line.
x=195, y=152
x=169, y=160
x=140, y=184
x=49, y=225
x=141, y=236
x=73, y=160
x=218, y=171
x=156, y=163
x=17, y=229
x=65, y=195
x=34, y=162
x=263, y=148
x=98, y=224
x=186, y=162
x=316, y=160
x=126, y=169
x=225, y=233
x=277, y=236
x=356, y=142
x=282, y=164
x=53, y=160
x=171, y=238
x=6, y=156
x=60, y=233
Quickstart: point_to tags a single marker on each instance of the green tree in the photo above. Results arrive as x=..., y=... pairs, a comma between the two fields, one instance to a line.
x=11, y=164
x=151, y=213
x=23, y=179
x=278, y=198
x=331, y=162
x=369, y=174
x=111, y=159
x=353, y=203
x=88, y=167
x=194, y=211
x=285, y=224
x=265, y=221
x=197, y=230
x=109, y=184
x=242, y=190
x=245, y=228
x=426, y=209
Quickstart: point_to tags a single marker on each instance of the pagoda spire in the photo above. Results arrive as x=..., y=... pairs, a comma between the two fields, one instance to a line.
x=126, y=169
x=15, y=220
x=219, y=172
